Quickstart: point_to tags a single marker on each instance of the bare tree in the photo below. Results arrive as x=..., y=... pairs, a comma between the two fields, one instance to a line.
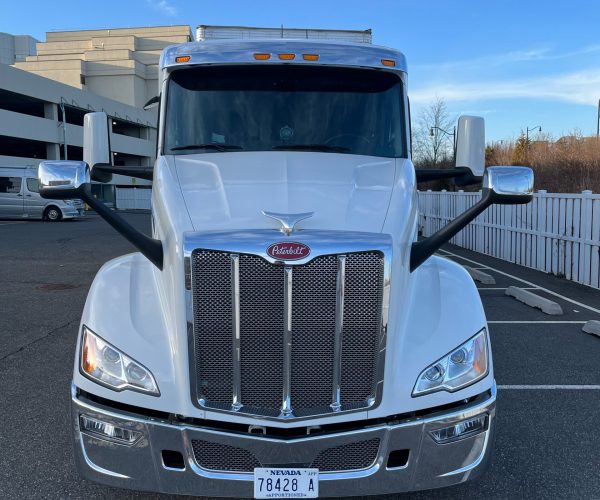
x=432, y=146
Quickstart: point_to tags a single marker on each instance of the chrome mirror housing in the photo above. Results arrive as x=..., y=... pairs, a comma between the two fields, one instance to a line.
x=508, y=185
x=62, y=179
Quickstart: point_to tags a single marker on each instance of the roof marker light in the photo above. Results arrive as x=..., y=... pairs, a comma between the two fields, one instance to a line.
x=262, y=57
x=388, y=62
x=182, y=59
x=310, y=57
x=287, y=57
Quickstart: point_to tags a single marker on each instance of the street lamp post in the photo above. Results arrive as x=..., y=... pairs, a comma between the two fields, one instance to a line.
x=598, y=122
x=448, y=134
x=531, y=129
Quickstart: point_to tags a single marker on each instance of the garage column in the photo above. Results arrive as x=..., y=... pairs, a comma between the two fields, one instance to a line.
x=51, y=113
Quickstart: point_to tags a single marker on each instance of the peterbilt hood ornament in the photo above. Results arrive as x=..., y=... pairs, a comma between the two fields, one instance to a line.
x=288, y=221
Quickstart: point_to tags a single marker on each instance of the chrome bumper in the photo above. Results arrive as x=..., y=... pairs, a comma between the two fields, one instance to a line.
x=140, y=466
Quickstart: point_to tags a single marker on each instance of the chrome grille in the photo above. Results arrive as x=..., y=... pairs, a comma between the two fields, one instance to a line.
x=213, y=325
x=360, y=338
x=239, y=324
x=313, y=324
x=351, y=456
x=222, y=457
x=261, y=327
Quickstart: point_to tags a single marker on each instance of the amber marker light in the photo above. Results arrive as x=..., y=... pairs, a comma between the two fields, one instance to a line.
x=88, y=360
x=287, y=57
x=262, y=57
x=310, y=57
x=388, y=62
x=182, y=59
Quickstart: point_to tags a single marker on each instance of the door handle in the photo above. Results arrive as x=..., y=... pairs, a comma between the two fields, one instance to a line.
x=19, y=194
x=28, y=195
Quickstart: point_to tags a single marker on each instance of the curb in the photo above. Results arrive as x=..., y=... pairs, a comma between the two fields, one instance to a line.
x=592, y=327
x=477, y=275
x=531, y=299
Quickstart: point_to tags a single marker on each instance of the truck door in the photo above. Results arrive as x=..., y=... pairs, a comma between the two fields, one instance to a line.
x=11, y=197
x=34, y=203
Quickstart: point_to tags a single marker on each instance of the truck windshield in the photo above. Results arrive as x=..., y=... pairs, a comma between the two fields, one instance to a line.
x=285, y=107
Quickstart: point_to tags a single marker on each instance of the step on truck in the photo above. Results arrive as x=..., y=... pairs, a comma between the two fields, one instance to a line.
x=283, y=332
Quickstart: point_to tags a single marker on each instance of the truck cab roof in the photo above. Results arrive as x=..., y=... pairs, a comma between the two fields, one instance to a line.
x=244, y=52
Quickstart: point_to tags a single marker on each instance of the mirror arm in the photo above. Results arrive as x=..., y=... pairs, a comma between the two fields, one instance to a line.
x=139, y=172
x=149, y=247
x=422, y=250
x=462, y=175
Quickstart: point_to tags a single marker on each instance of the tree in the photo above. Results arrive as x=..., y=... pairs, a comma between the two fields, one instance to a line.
x=432, y=147
x=519, y=156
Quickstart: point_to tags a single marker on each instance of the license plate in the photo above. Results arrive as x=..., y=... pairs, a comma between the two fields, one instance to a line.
x=286, y=483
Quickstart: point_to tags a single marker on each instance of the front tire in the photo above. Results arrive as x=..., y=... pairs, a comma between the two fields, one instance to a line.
x=53, y=214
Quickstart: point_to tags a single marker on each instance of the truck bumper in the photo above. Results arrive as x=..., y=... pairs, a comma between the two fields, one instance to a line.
x=140, y=466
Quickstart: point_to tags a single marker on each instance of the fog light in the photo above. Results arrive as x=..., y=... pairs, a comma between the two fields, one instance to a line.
x=107, y=431
x=462, y=430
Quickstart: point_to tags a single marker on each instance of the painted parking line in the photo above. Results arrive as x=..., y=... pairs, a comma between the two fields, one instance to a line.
x=550, y=387
x=524, y=322
x=11, y=223
x=526, y=282
x=505, y=287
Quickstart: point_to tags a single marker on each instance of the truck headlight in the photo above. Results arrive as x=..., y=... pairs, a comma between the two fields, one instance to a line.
x=106, y=365
x=464, y=366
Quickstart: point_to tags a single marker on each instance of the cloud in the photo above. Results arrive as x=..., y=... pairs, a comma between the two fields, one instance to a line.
x=531, y=55
x=163, y=6
x=579, y=87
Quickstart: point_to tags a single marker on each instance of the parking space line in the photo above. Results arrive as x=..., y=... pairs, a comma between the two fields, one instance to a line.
x=11, y=223
x=505, y=287
x=551, y=387
x=536, y=322
x=527, y=283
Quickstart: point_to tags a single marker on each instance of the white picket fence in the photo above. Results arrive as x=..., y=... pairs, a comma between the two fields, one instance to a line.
x=558, y=233
x=133, y=198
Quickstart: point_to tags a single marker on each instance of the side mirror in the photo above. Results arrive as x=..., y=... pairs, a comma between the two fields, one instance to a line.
x=62, y=179
x=470, y=144
x=501, y=185
x=469, y=155
x=96, y=145
x=508, y=185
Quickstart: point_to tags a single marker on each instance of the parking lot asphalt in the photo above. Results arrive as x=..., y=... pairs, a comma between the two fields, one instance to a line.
x=547, y=370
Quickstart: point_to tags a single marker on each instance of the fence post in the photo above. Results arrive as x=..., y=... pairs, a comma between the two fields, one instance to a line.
x=540, y=229
x=585, y=235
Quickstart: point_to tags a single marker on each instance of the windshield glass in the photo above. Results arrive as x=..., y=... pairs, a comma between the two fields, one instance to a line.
x=285, y=107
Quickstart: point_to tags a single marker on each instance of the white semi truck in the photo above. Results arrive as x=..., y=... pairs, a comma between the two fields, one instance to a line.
x=283, y=333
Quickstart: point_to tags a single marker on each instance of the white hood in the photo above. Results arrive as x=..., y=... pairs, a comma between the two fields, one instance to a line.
x=229, y=190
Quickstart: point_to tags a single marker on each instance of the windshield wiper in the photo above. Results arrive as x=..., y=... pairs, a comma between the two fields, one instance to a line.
x=216, y=147
x=313, y=147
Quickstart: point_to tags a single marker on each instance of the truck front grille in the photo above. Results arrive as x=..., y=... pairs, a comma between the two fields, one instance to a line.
x=244, y=308
x=351, y=456
x=219, y=457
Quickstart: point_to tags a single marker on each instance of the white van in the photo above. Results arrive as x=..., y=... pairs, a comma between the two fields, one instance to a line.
x=20, y=198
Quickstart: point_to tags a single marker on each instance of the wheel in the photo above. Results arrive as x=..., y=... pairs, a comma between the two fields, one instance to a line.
x=53, y=214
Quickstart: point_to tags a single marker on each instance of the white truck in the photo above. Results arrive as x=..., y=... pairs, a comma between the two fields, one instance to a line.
x=283, y=333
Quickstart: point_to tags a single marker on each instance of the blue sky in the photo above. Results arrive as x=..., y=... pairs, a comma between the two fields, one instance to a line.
x=517, y=63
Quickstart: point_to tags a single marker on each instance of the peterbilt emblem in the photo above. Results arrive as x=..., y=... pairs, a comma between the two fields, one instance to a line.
x=288, y=250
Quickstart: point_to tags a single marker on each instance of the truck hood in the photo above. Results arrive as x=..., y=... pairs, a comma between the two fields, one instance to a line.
x=229, y=190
